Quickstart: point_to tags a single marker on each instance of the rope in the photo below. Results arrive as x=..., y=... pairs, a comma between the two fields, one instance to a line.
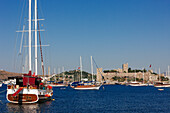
x=3, y=91
x=99, y=70
x=15, y=66
x=42, y=63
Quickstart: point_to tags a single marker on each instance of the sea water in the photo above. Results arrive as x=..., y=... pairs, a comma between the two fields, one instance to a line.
x=110, y=99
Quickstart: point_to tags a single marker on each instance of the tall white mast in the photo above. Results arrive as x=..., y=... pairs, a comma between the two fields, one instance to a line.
x=58, y=70
x=54, y=71
x=55, y=75
x=63, y=72
x=49, y=71
x=81, y=68
x=159, y=74
x=35, y=37
x=29, y=35
x=92, y=67
x=168, y=71
x=135, y=75
x=143, y=76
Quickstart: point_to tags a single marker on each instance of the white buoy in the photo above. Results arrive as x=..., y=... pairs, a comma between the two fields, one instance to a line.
x=160, y=89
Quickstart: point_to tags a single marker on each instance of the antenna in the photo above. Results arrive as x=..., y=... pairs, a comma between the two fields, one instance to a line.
x=92, y=67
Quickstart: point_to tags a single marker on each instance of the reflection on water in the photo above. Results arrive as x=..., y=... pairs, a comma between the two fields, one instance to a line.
x=25, y=108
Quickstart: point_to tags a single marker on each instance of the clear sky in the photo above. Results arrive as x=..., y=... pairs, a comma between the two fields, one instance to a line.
x=114, y=32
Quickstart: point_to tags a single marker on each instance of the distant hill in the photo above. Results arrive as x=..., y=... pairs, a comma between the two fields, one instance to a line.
x=5, y=74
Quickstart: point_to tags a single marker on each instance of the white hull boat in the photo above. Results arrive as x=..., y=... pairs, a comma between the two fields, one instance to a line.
x=29, y=88
x=57, y=85
x=87, y=87
x=161, y=84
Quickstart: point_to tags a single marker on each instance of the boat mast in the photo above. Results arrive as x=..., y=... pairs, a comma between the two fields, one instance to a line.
x=81, y=68
x=55, y=75
x=29, y=35
x=159, y=74
x=92, y=67
x=35, y=37
x=168, y=71
x=143, y=76
x=135, y=75
x=63, y=72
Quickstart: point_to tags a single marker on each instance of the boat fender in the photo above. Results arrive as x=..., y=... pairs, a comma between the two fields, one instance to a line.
x=30, y=87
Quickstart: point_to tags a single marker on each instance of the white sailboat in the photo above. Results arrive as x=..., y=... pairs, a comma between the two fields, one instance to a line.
x=135, y=83
x=29, y=88
x=59, y=84
x=143, y=84
x=87, y=85
x=161, y=84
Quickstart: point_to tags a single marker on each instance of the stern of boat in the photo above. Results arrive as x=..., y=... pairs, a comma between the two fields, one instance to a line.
x=17, y=94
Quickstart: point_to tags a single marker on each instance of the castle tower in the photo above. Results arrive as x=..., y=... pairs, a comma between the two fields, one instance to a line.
x=99, y=74
x=125, y=68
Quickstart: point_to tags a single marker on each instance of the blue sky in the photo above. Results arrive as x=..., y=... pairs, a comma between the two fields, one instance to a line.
x=114, y=32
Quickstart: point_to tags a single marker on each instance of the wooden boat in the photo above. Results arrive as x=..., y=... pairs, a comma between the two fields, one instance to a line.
x=137, y=84
x=161, y=84
x=143, y=84
x=87, y=87
x=58, y=84
x=134, y=84
x=30, y=88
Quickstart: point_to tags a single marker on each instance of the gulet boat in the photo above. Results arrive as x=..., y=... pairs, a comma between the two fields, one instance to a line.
x=161, y=84
x=87, y=85
x=30, y=88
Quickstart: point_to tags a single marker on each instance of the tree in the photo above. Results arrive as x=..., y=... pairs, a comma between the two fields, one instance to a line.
x=144, y=70
x=129, y=70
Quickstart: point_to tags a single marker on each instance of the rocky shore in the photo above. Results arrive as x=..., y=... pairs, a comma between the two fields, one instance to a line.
x=5, y=74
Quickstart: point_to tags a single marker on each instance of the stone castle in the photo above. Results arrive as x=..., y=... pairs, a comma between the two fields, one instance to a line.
x=123, y=73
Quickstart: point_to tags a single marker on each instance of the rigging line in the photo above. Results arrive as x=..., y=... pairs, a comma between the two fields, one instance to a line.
x=40, y=47
x=22, y=59
x=40, y=8
x=99, y=70
x=15, y=53
x=24, y=55
x=21, y=14
x=15, y=50
x=21, y=40
x=21, y=53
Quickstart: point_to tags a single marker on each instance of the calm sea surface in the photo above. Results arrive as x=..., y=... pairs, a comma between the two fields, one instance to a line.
x=111, y=99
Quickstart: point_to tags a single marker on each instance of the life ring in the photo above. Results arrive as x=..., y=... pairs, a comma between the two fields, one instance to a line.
x=30, y=87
